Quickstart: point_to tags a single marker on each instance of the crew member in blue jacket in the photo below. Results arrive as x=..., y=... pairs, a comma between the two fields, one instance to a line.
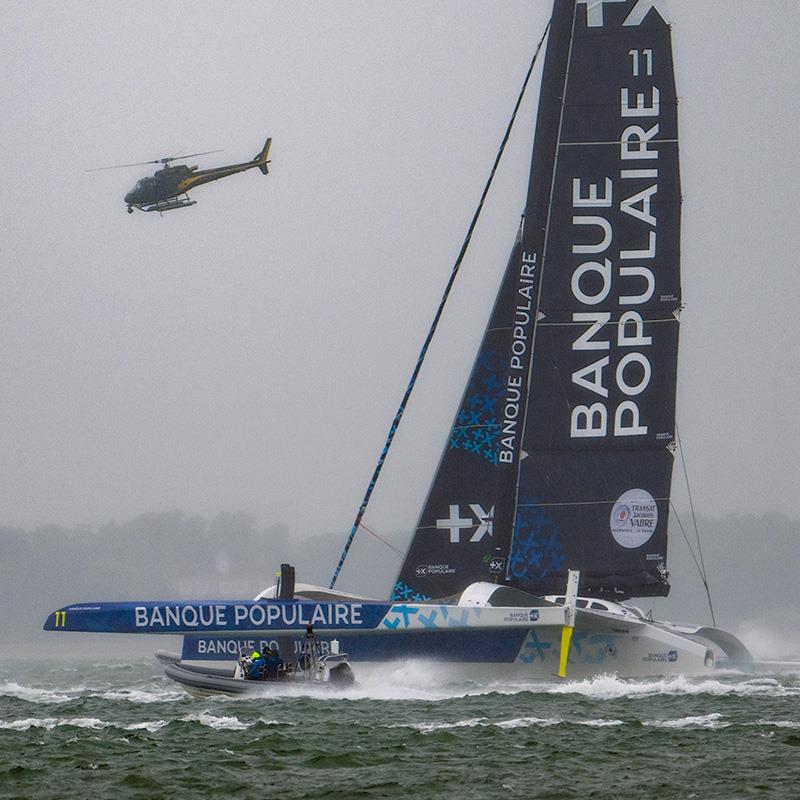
x=257, y=665
x=273, y=663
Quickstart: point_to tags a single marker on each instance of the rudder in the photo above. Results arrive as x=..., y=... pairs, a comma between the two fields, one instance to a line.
x=262, y=159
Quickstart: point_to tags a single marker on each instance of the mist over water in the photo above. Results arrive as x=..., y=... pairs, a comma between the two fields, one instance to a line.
x=773, y=636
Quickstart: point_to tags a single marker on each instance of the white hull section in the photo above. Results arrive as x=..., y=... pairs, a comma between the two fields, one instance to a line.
x=480, y=639
x=601, y=645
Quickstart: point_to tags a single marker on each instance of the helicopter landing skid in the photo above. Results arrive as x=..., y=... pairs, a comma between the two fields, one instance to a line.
x=168, y=205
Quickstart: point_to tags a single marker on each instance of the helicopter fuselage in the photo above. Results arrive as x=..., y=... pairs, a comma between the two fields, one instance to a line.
x=160, y=187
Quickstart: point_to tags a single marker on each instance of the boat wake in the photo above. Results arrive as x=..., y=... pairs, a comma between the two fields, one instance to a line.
x=433, y=682
x=610, y=687
x=418, y=681
x=415, y=699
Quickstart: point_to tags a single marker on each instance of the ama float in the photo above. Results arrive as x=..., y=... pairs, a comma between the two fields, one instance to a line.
x=550, y=503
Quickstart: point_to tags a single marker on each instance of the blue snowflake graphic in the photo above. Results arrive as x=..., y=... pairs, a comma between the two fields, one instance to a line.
x=477, y=428
x=402, y=592
x=536, y=550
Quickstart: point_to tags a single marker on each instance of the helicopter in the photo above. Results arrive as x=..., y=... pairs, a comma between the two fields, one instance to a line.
x=167, y=188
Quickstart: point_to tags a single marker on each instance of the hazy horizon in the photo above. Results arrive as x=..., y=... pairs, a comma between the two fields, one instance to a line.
x=249, y=352
x=176, y=555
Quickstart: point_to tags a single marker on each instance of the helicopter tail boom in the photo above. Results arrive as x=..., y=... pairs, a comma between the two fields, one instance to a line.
x=262, y=159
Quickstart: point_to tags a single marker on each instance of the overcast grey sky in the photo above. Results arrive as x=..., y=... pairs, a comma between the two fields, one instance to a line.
x=249, y=352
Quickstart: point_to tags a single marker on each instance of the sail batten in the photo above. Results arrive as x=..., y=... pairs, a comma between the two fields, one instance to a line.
x=560, y=456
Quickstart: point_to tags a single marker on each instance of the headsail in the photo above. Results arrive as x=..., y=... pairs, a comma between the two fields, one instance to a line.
x=559, y=457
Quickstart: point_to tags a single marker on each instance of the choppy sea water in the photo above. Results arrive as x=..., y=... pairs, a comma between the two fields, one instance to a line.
x=125, y=731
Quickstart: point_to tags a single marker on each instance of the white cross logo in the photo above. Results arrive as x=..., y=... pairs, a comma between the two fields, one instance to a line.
x=454, y=523
x=594, y=11
x=640, y=12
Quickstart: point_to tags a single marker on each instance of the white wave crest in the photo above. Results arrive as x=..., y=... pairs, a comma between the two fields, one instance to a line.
x=704, y=721
x=142, y=696
x=86, y=722
x=218, y=723
x=26, y=724
x=151, y=727
x=778, y=723
x=508, y=724
x=610, y=687
x=527, y=722
x=430, y=727
x=33, y=694
x=48, y=723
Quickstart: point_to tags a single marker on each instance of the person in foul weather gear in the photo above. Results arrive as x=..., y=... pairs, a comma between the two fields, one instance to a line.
x=257, y=664
x=273, y=663
x=309, y=651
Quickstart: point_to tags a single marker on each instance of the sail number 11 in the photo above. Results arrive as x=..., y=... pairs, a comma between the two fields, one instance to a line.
x=636, y=58
x=60, y=619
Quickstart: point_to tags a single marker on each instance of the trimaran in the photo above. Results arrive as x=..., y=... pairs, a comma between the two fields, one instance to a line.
x=550, y=503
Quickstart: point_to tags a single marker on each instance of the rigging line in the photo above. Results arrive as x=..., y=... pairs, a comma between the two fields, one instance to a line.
x=700, y=569
x=399, y=415
x=694, y=522
x=686, y=539
x=382, y=540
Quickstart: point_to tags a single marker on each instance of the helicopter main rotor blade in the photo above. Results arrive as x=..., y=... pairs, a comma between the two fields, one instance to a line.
x=165, y=160
x=120, y=166
x=191, y=155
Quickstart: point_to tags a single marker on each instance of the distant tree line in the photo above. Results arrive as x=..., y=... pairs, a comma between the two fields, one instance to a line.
x=751, y=562
x=153, y=556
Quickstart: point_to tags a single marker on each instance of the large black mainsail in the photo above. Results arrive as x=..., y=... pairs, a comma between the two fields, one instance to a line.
x=560, y=454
